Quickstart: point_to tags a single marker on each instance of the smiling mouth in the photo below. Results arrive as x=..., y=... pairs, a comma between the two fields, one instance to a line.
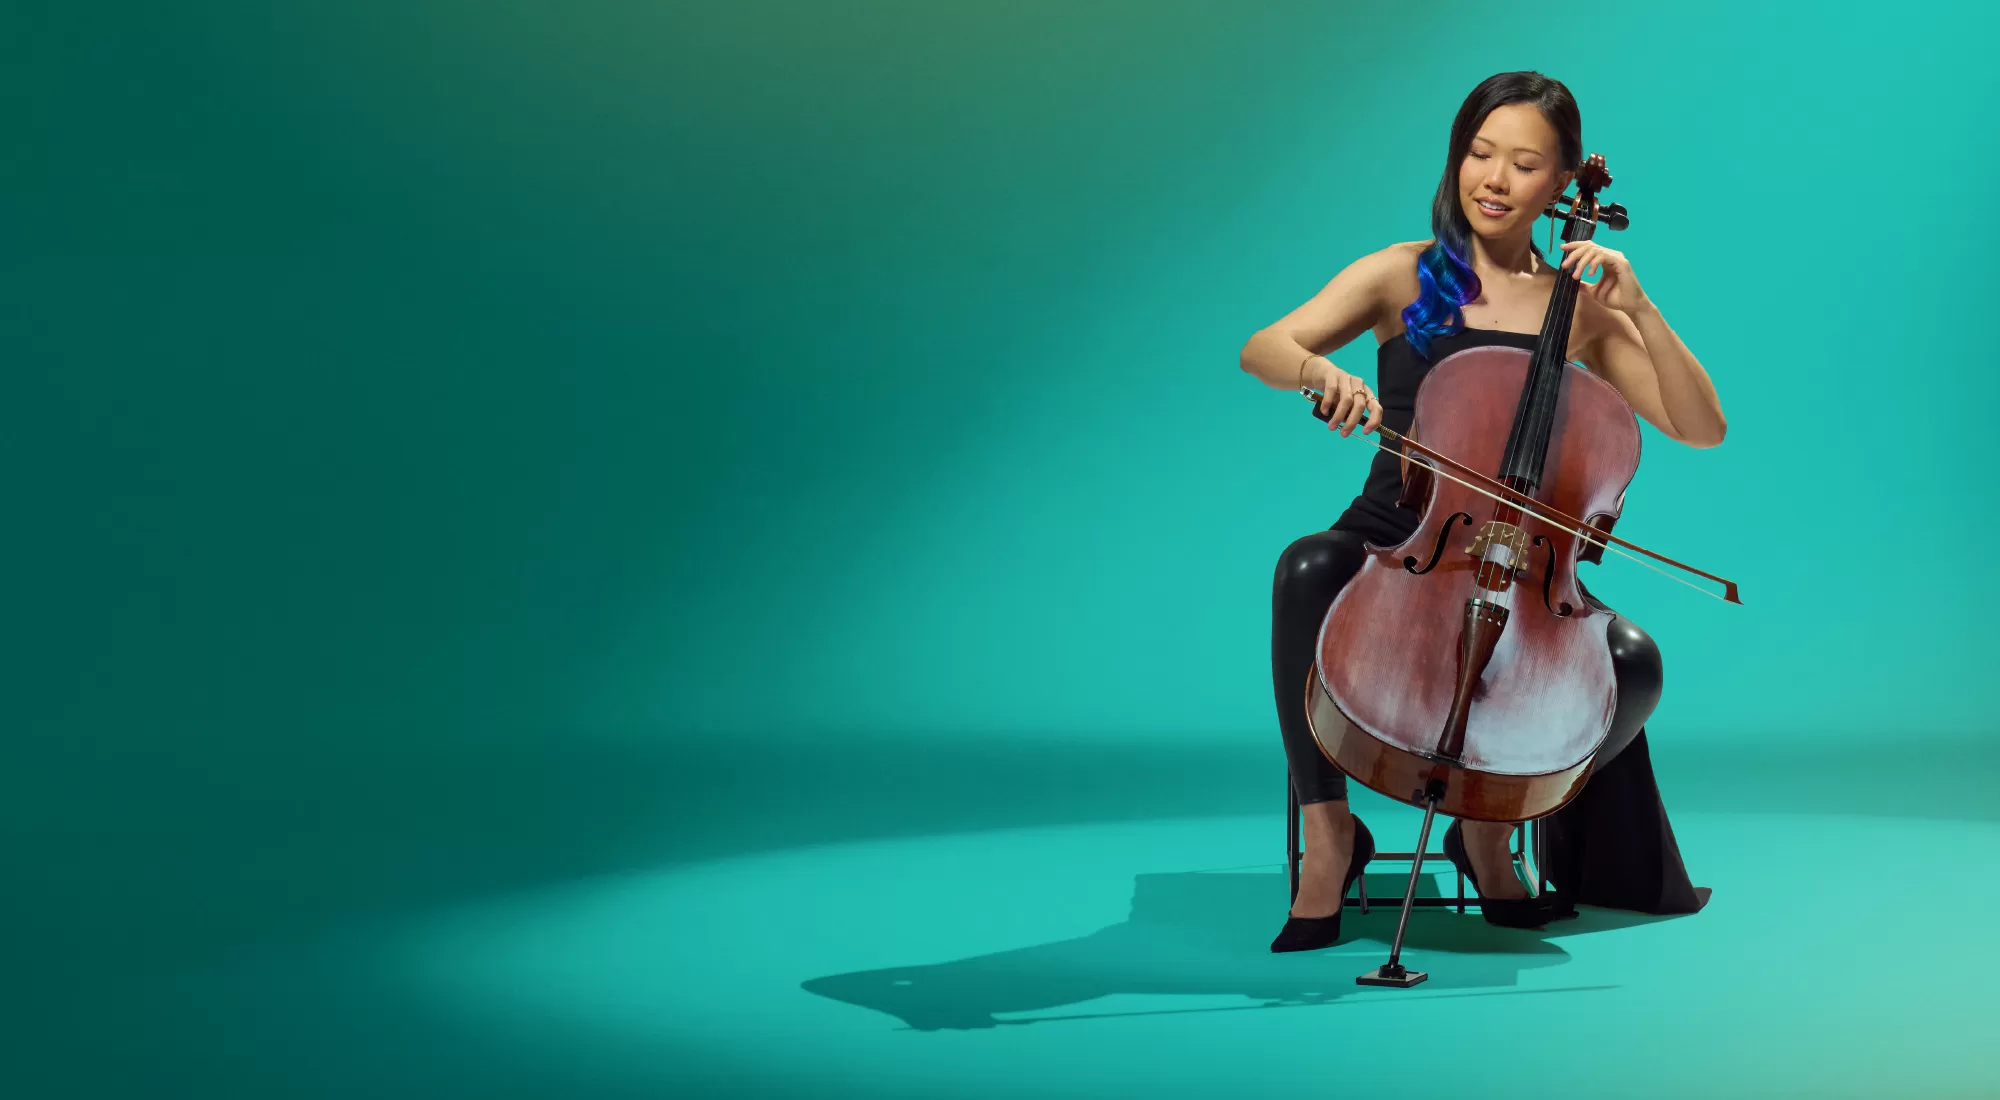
x=1494, y=207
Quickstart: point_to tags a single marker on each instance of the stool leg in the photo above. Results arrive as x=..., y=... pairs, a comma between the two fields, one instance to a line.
x=1529, y=859
x=1538, y=838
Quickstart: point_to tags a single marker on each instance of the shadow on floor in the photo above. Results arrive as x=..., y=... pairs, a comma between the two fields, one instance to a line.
x=1205, y=933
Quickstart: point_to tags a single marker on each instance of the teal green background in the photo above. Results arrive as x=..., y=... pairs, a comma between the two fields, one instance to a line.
x=457, y=447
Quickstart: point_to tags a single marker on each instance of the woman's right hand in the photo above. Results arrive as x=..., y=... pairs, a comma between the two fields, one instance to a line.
x=1345, y=400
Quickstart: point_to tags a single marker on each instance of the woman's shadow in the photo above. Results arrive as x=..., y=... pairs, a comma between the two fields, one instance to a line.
x=1207, y=933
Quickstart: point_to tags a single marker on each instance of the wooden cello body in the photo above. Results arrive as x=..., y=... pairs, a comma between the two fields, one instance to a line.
x=1392, y=653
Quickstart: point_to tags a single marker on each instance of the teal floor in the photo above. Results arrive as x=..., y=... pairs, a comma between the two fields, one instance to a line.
x=1110, y=959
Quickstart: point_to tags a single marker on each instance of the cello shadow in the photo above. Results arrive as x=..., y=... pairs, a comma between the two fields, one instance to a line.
x=1201, y=934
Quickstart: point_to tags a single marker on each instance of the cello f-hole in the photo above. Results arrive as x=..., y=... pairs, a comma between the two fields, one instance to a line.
x=1549, y=580
x=1437, y=553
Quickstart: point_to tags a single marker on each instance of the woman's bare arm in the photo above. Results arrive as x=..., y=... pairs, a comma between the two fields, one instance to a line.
x=1350, y=304
x=1658, y=376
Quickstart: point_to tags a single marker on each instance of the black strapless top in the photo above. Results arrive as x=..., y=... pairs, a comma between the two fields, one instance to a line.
x=1375, y=515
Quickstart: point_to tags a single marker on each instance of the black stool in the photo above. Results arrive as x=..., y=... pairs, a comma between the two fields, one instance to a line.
x=1526, y=840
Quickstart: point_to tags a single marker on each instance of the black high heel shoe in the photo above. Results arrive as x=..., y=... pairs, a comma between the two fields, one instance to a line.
x=1313, y=933
x=1505, y=912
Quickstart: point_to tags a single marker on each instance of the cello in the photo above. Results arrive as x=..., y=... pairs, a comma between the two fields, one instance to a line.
x=1464, y=671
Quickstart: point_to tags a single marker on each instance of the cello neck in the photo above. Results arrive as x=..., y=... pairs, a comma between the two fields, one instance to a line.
x=1534, y=416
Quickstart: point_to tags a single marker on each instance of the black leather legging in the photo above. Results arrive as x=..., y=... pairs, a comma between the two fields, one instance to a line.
x=1311, y=572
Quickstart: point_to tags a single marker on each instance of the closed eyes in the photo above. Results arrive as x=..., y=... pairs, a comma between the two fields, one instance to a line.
x=1482, y=156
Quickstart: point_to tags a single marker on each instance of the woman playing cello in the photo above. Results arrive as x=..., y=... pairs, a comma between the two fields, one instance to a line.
x=1515, y=145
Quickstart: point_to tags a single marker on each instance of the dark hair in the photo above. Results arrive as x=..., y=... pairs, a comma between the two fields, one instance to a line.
x=1444, y=271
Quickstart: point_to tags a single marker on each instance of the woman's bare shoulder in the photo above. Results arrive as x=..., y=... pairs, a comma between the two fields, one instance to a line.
x=1395, y=269
x=1369, y=293
x=1405, y=255
x=1399, y=256
x=1392, y=272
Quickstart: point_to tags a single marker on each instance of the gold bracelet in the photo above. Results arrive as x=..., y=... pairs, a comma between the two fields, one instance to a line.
x=1302, y=367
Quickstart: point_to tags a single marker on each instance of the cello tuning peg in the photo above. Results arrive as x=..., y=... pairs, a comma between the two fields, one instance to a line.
x=1609, y=215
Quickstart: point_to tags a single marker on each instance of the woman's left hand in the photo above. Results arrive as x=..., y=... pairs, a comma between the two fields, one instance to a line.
x=1619, y=288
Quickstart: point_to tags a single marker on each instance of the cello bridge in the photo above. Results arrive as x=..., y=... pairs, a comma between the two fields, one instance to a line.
x=1502, y=543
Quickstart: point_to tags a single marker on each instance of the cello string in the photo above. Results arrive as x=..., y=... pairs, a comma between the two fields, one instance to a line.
x=1553, y=362
x=1532, y=427
x=1568, y=286
x=1544, y=382
x=1527, y=418
x=1553, y=523
x=1550, y=389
